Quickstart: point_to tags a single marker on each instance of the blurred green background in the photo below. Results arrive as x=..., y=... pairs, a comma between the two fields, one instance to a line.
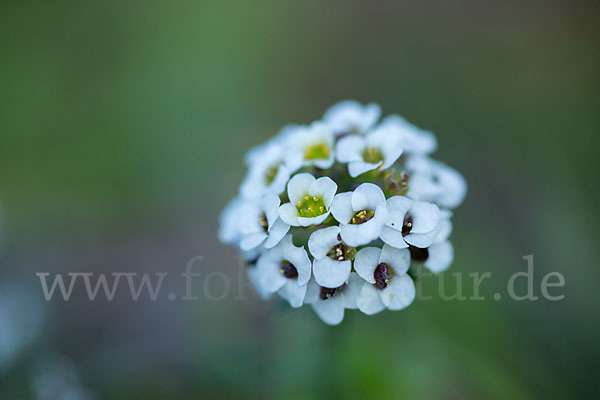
x=123, y=127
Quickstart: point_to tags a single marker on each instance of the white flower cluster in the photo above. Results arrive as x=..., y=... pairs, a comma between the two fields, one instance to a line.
x=332, y=214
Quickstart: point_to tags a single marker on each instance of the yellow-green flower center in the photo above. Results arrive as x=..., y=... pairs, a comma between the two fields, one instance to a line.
x=317, y=151
x=271, y=173
x=372, y=155
x=310, y=207
x=362, y=216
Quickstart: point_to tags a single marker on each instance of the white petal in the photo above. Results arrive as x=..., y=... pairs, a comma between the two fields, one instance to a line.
x=303, y=221
x=289, y=214
x=322, y=241
x=324, y=188
x=393, y=237
x=426, y=217
x=228, y=221
x=270, y=205
x=349, y=149
x=341, y=207
x=369, y=300
x=350, y=115
x=397, y=207
x=331, y=311
x=366, y=262
x=440, y=257
x=331, y=273
x=324, y=163
x=299, y=259
x=367, y=197
x=445, y=230
x=276, y=233
x=352, y=290
x=360, y=234
x=399, y=293
x=455, y=187
x=270, y=277
x=398, y=259
x=254, y=278
x=248, y=242
x=298, y=186
x=356, y=168
x=389, y=142
x=313, y=290
x=422, y=240
x=293, y=293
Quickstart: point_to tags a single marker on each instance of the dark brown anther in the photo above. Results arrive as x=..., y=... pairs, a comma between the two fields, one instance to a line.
x=382, y=276
x=288, y=270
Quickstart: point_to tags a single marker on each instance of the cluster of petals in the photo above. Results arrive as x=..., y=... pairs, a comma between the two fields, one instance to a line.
x=335, y=214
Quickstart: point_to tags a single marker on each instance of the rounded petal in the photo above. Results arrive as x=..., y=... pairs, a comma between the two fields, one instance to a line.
x=289, y=214
x=322, y=240
x=422, y=240
x=298, y=186
x=399, y=293
x=254, y=278
x=303, y=221
x=350, y=115
x=440, y=257
x=270, y=205
x=367, y=196
x=331, y=311
x=398, y=259
x=389, y=142
x=341, y=207
x=293, y=293
x=366, y=261
x=312, y=292
x=455, y=187
x=397, y=207
x=357, y=168
x=426, y=217
x=369, y=300
x=393, y=237
x=298, y=257
x=349, y=149
x=331, y=273
x=352, y=290
x=269, y=276
x=324, y=163
x=325, y=188
x=248, y=242
x=360, y=235
x=276, y=233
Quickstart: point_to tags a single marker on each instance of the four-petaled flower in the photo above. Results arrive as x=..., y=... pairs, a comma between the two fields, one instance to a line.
x=351, y=117
x=414, y=223
x=310, y=200
x=387, y=284
x=378, y=150
x=285, y=269
x=330, y=303
x=333, y=257
x=361, y=214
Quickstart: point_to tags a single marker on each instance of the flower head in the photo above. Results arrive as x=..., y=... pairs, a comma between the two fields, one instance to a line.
x=338, y=251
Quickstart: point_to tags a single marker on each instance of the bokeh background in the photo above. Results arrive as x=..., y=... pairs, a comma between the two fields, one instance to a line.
x=122, y=130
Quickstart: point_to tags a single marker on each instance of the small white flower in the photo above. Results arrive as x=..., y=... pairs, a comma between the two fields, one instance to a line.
x=435, y=182
x=315, y=143
x=387, y=284
x=270, y=170
x=259, y=223
x=361, y=214
x=414, y=140
x=332, y=257
x=414, y=223
x=378, y=150
x=329, y=303
x=310, y=200
x=285, y=269
x=351, y=117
